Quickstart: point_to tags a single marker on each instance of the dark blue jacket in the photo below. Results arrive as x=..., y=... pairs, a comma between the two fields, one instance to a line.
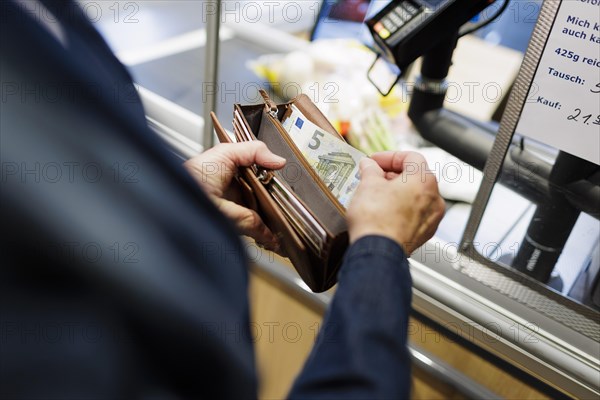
x=119, y=279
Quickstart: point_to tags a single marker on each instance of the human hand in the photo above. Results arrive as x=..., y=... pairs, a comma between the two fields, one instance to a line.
x=215, y=169
x=398, y=198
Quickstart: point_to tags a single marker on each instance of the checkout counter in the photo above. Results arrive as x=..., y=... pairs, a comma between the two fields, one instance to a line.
x=486, y=323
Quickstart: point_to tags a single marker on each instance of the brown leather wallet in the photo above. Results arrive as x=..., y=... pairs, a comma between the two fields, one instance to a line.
x=293, y=202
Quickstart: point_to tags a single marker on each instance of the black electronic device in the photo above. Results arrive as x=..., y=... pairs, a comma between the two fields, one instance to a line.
x=406, y=29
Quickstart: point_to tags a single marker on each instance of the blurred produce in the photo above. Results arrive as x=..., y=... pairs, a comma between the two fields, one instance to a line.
x=333, y=73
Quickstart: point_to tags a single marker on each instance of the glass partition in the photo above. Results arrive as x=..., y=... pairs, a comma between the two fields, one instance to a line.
x=536, y=216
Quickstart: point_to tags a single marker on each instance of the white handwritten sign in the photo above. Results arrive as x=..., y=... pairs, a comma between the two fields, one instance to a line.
x=563, y=104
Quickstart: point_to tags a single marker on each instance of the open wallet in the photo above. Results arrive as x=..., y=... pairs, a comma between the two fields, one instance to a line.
x=294, y=202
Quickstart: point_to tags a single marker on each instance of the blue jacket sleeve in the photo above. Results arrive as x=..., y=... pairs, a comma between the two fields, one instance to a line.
x=361, y=350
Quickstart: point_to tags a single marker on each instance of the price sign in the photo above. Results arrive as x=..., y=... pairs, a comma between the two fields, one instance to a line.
x=563, y=103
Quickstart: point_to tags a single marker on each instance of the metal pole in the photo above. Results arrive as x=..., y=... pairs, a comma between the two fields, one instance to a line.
x=213, y=11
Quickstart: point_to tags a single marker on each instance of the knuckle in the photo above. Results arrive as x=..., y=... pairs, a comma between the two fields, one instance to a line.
x=397, y=160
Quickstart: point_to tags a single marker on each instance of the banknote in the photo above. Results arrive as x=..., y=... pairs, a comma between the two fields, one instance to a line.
x=334, y=160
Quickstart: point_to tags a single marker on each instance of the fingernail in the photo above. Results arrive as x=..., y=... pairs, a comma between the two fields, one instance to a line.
x=279, y=160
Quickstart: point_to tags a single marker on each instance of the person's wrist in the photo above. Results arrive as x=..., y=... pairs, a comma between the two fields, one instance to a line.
x=357, y=233
x=379, y=246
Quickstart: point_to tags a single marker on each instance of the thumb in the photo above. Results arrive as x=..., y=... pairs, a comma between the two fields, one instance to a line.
x=254, y=152
x=370, y=169
x=266, y=158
